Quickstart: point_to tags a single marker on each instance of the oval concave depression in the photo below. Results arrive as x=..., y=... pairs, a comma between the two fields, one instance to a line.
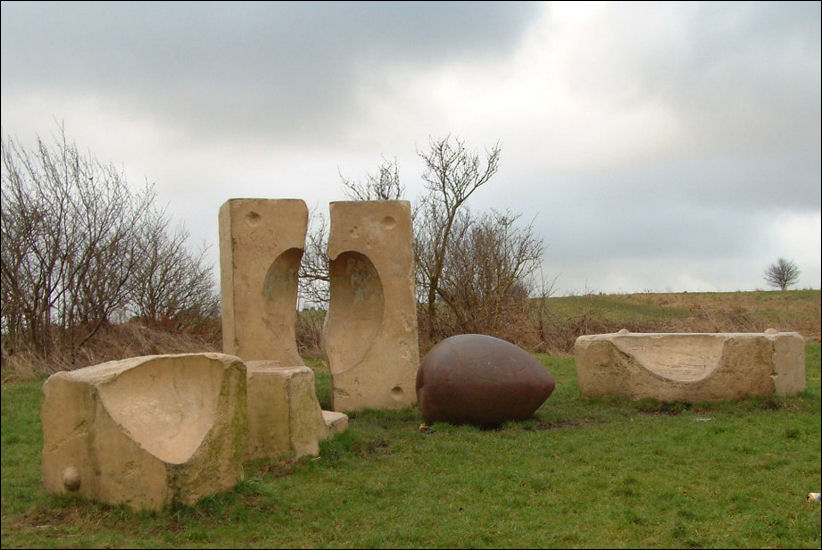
x=167, y=410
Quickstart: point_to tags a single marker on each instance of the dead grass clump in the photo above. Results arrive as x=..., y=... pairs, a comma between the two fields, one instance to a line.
x=563, y=320
x=110, y=342
x=512, y=322
x=308, y=333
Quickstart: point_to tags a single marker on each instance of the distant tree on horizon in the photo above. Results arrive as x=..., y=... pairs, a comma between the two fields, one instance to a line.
x=782, y=274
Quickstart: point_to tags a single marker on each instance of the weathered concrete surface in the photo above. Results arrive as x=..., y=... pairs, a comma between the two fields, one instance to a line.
x=284, y=416
x=370, y=332
x=336, y=422
x=146, y=431
x=480, y=380
x=690, y=366
x=261, y=245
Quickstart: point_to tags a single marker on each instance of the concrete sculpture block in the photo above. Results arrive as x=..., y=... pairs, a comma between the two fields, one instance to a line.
x=261, y=245
x=284, y=416
x=370, y=332
x=480, y=380
x=146, y=432
x=690, y=366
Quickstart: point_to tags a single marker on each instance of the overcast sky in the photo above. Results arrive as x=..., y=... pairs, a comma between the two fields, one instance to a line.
x=657, y=146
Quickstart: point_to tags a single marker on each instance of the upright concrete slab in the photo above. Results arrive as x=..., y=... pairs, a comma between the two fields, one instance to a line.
x=690, y=366
x=261, y=245
x=284, y=415
x=370, y=332
x=148, y=431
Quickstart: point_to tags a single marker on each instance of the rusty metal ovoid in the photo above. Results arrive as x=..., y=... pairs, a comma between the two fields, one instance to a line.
x=480, y=380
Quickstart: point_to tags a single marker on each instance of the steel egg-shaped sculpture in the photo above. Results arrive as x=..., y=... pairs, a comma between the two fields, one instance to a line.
x=480, y=380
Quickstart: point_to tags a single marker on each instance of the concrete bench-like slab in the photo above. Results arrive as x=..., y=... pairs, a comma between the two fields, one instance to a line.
x=690, y=366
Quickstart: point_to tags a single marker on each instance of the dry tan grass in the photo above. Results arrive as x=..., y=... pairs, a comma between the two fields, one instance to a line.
x=562, y=321
x=569, y=318
x=110, y=343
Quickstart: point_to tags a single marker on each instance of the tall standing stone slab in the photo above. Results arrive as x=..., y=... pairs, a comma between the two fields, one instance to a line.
x=370, y=332
x=147, y=431
x=261, y=245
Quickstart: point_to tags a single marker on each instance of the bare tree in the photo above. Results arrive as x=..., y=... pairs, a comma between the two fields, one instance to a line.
x=103, y=217
x=452, y=174
x=171, y=286
x=76, y=240
x=385, y=185
x=314, y=277
x=782, y=274
x=487, y=270
x=543, y=292
x=474, y=271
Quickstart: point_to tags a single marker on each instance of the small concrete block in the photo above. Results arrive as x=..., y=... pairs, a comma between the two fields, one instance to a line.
x=284, y=415
x=336, y=422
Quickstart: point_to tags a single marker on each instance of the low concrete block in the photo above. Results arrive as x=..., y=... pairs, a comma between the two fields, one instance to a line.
x=336, y=422
x=690, y=366
x=146, y=431
x=284, y=415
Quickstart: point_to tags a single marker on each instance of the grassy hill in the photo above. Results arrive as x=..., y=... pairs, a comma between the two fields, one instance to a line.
x=563, y=319
x=753, y=311
x=582, y=473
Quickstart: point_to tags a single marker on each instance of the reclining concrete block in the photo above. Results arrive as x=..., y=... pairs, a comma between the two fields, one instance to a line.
x=261, y=245
x=284, y=416
x=147, y=431
x=370, y=331
x=690, y=366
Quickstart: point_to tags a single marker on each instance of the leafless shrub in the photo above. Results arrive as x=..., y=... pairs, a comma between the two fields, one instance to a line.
x=385, y=185
x=171, y=288
x=308, y=333
x=472, y=272
x=484, y=277
x=313, y=278
x=81, y=250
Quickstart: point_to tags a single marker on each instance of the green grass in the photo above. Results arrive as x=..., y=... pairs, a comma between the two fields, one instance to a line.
x=590, y=473
x=788, y=310
x=613, y=308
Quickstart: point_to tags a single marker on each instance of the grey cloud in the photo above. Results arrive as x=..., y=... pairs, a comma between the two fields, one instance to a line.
x=283, y=67
x=670, y=212
x=745, y=76
x=741, y=80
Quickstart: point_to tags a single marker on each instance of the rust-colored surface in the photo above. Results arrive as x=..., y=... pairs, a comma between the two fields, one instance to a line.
x=480, y=380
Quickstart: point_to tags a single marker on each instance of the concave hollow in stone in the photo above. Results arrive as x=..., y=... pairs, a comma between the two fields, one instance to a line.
x=167, y=410
x=678, y=357
x=356, y=310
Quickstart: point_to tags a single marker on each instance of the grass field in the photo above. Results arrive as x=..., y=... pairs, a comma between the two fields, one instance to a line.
x=587, y=473
x=754, y=311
